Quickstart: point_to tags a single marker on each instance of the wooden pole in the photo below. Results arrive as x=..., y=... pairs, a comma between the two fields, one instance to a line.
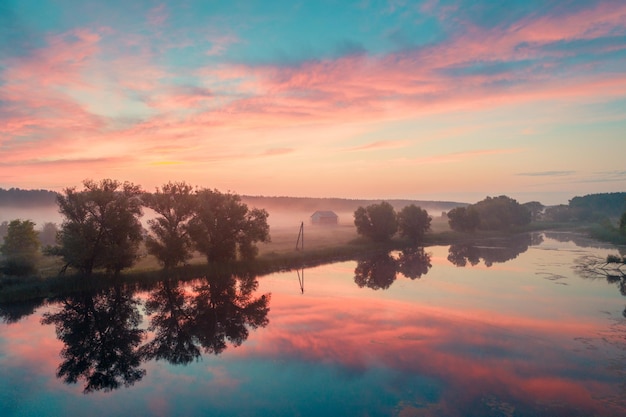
x=300, y=241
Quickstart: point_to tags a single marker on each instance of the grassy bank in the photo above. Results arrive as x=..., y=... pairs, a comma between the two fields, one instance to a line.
x=322, y=245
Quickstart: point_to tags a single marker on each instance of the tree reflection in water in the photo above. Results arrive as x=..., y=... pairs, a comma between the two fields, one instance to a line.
x=413, y=263
x=494, y=251
x=14, y=312
x=171, y=321
x=380, y=270
x=215, y=311
x=103, y=341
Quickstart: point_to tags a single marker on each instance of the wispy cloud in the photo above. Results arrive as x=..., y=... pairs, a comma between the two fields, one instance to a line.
x=546, y=173
x=210, y=90
x=463, y=156
x=378, y=145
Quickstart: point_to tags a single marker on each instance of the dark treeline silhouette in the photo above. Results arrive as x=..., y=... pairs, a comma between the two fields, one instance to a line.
x=105, y=345
x=591, y=207
x=493, y=213
x=493, y=251
x=380, y=270
x=607, y=204
x=16, y=197
x=380, y=222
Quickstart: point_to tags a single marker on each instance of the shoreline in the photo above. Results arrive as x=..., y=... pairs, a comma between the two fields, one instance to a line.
x=49, y=286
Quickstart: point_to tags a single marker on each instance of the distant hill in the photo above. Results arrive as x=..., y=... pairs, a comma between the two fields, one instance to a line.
x=312, y=204
x=15, y=197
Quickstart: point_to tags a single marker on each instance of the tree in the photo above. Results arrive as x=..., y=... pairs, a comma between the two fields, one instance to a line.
x=48, y=234
x=501, y=213
x=535, y=208
x=413, y=222
x=222, y=227
x=622, y=224
x=463, y=219
x=20, y=248
x=170, y=242
x=101, y=227
x=376, y=221
x=560, y=213
x=4, y=227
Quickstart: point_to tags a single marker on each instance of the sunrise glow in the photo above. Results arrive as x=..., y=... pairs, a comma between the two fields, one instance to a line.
x=377, y=99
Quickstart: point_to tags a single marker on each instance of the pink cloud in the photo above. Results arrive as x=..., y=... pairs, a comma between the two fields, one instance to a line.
x=436, y=342
x=54, y=95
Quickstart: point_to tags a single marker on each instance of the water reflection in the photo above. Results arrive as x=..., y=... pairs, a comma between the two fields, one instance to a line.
x=613, y=270
x=14, y=312
x=471, y=342
x=103, y=339
x=413, y=263
x=494, y=251
x=380, y=270
x=171, y=321
x=580, y=239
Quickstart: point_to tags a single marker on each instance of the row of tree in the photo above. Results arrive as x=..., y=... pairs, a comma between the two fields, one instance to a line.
x=102, y=229
x=380, y=222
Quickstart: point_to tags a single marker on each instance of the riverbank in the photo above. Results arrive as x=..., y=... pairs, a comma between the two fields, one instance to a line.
x=322, y=245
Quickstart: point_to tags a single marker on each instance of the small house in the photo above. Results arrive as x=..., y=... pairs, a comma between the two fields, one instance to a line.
x=324, y=217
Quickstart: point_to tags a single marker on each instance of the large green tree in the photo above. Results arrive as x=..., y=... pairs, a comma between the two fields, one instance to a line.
x=101, y=227
x=20, y=248
x=622, y=224
x=501, y=213
x=169, y=241
x=413, y=222
x=377, y=221
x=223, y=227
x=463, y=219
x=492, y=213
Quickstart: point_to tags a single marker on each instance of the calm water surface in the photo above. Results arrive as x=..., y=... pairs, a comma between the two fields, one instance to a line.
x=490, y=330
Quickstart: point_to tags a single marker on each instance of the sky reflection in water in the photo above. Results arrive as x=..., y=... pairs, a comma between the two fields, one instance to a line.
x=514, y=332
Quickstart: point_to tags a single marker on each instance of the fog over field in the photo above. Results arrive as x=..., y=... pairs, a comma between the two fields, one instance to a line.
x=284, y=212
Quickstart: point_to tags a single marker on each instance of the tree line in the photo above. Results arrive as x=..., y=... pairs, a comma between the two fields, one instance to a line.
x=101, y=229
x=380, y=222
x=26, y=198
x=493, y=213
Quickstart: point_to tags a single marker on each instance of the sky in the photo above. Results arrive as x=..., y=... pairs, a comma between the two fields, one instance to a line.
x=436, y=100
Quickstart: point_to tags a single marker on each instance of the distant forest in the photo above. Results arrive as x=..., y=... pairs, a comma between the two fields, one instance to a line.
x=341, y=204
x=608, y=204
x=15, y=197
